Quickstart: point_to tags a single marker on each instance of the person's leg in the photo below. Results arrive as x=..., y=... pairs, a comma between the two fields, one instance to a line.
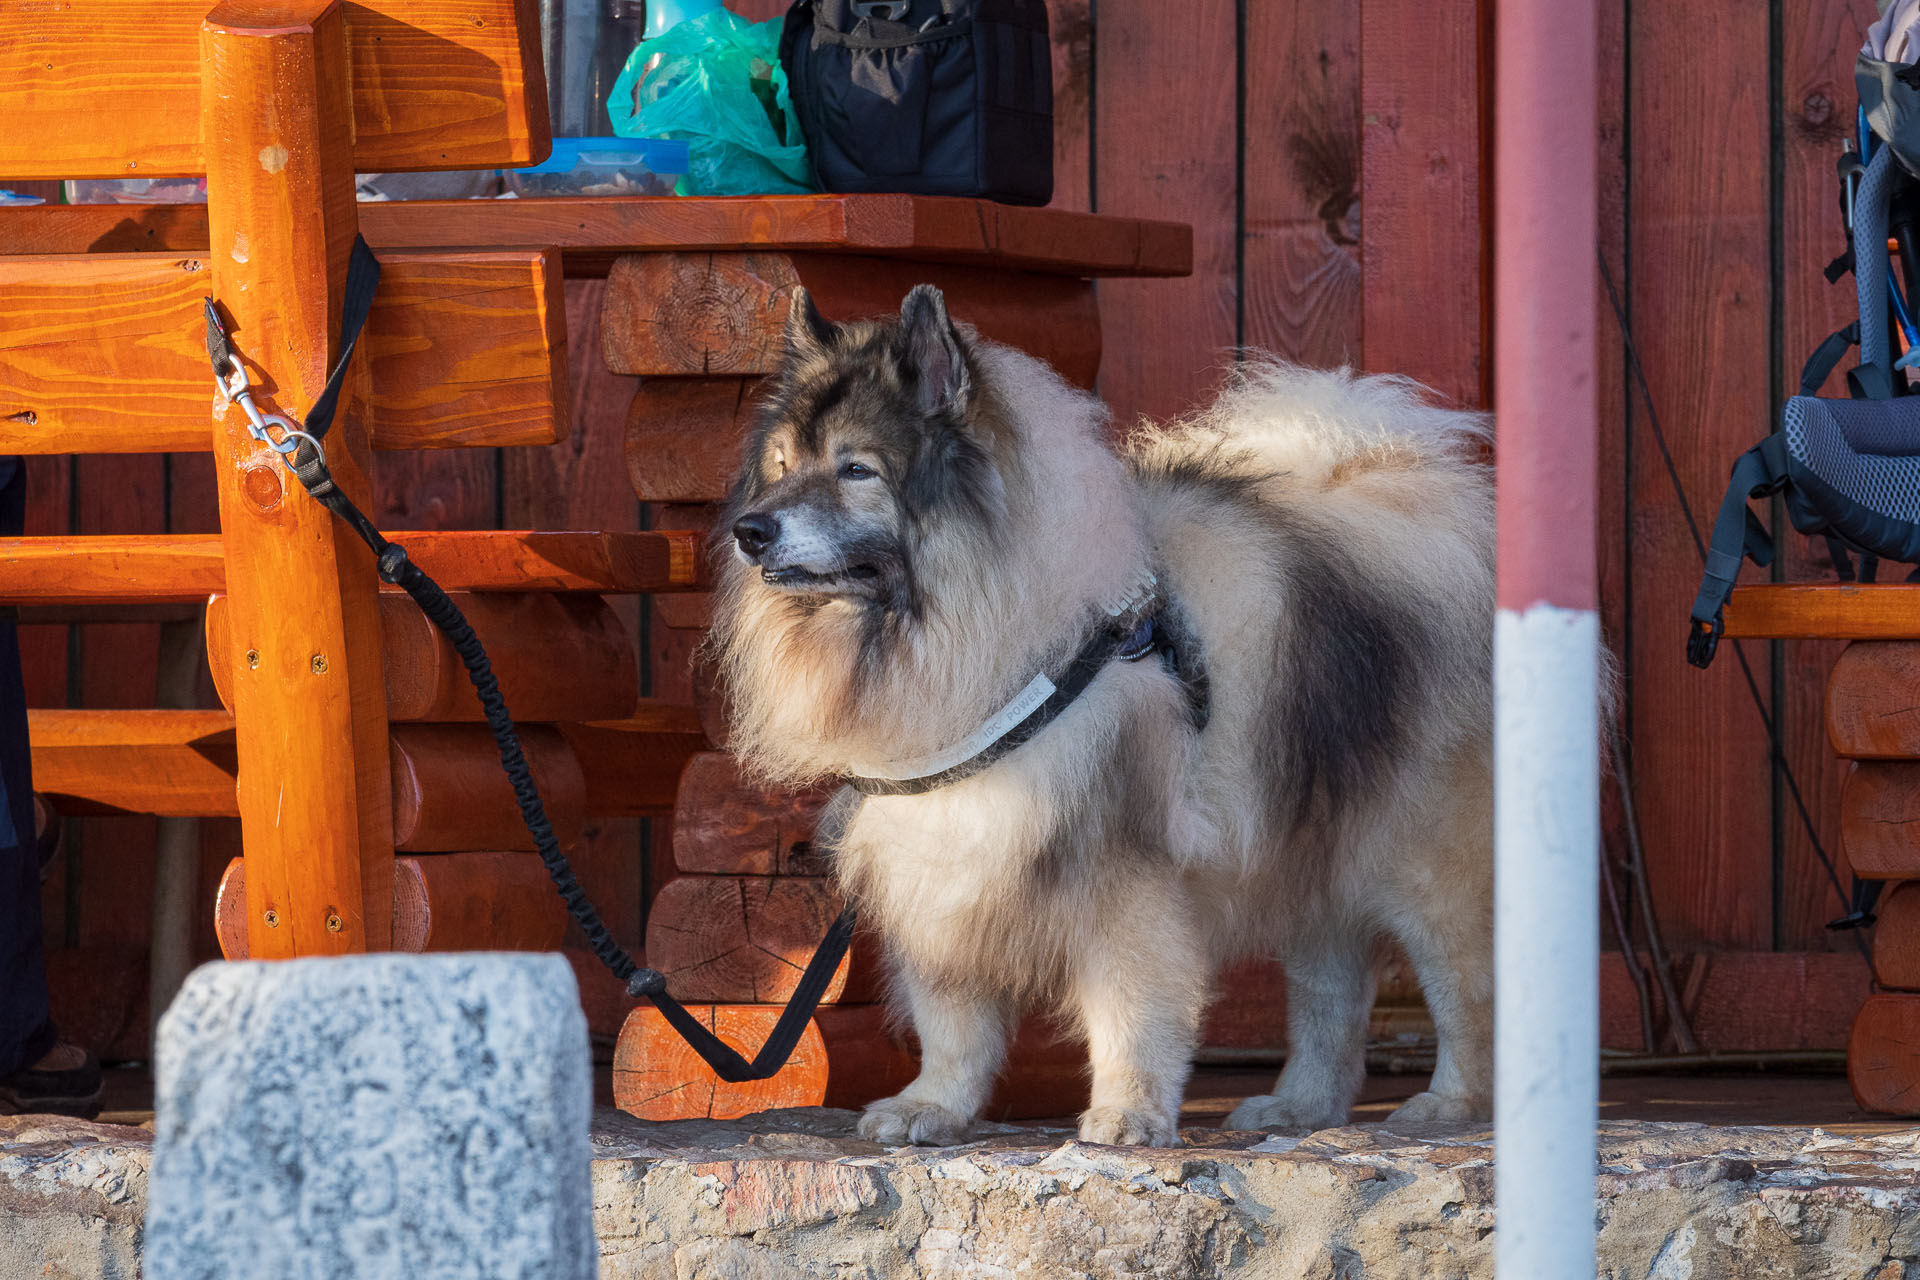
x=37, y=1073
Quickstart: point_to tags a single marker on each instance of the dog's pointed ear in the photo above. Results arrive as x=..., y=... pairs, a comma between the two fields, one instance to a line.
x=808, y=332
x=934, y=352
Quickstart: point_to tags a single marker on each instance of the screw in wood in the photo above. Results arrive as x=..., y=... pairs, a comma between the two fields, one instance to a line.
x=273, y=919
x=319, y=664
x=253, y=657
x=334, y=923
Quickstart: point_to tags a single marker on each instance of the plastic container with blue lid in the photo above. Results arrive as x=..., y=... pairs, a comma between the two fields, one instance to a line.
x=604, y=167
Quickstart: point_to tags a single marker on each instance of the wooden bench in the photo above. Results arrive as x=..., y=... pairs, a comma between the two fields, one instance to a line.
x=1873, y=720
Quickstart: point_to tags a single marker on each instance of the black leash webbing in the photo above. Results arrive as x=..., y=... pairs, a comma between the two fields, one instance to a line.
x=309, y=466
x=1858, y=904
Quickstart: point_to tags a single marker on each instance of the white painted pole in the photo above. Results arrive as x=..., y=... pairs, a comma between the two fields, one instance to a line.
x=1546, y=639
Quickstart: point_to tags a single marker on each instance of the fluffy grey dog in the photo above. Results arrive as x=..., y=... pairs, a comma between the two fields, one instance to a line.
x=1284, y=746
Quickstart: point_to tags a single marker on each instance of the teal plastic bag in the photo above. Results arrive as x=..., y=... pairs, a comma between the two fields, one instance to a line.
x=719, y=85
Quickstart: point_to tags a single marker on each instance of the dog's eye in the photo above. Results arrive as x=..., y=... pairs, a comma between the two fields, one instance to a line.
x=858, y=471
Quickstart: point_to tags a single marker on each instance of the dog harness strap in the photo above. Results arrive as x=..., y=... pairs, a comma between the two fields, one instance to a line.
x=1036, y=706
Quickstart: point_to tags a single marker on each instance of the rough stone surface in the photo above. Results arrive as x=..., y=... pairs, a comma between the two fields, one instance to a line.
x=386, y=1117
x=795, y=1194
x=72, y=1196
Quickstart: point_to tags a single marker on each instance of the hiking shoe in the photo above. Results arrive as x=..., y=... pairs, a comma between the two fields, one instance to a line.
x=64, y=1083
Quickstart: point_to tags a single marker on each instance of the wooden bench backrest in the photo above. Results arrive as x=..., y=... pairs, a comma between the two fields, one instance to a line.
x=112, y=88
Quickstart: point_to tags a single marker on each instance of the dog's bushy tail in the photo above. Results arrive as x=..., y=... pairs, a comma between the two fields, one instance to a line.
x=1323, y=426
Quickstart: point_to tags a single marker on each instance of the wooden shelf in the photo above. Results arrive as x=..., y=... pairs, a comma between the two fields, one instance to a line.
x=595, y=230
x=1825, y=611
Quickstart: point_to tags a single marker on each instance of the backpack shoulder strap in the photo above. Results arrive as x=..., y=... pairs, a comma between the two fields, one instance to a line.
x=1737, y=535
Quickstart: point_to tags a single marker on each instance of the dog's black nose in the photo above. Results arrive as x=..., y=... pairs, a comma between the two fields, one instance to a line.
x=755, y=533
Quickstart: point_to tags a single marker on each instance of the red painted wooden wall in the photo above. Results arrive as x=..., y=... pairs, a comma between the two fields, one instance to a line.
x=1330, y=156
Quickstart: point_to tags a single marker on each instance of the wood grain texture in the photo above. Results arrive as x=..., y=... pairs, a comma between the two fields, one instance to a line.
x=685, y=435
x=1824, y=610
x=437, y=84
x=633, y=766
x=724, y=824
x=1871, y=711
x=1880, y=819
x=450, y=793
x=594, y=232
x=1300, y=231
x=1165, y=144
x=179, y=568
x=1699, y=300
x=1070, y=27
x=446, y=902
x=173, y=763
x=848, y=1057
x=721, y=314
x=1819, y=41
x=1883, y=1055
x=1896, y=937
x=557, y=657
x=310, y=713
x=1423, y=250
x=747, y=939
x=105, y=353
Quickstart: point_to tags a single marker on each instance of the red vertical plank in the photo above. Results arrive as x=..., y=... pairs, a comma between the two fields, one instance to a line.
x=436, y=489
x=581, y=483
x=43, y=649
x=1070, y=24
x=123, y=493
x=1423, y=249
x=1698, y=231
x=1301, y=239
x=1165, y=147
x=1820, y=39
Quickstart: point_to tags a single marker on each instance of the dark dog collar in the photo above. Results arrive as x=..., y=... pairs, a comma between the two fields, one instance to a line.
x=1035, y=707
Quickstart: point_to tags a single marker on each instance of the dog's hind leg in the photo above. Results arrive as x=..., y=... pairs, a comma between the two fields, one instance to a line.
x=1329, y=995
x=963, y=1039
x=1454, y=960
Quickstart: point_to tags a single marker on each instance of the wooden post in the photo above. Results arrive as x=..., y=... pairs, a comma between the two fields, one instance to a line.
x=303, y=633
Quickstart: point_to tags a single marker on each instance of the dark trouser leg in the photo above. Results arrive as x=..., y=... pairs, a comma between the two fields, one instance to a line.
x=26, y=1034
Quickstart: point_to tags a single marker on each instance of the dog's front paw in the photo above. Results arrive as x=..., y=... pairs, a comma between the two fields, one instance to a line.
x=1439, y=1108
x=1121, y=1127
x=1265, y=1111
x=899, y=1121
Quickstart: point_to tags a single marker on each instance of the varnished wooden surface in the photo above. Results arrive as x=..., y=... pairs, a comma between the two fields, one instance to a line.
x=105, y=353
x=111, y=88
x=719, y=314
x=727, y=825
x=632, y=766
x=308, y=694
x=1880, y=819
x=1896, y=938
x=443, y=902
x=171, y=763
x=848, y=1056
x=1825, y=610
x=593, y=230
x=188, y=567
x=746, y=939
x=1883, y=1064
x=557, y=657
x=1871, y=712
x=450, y=793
